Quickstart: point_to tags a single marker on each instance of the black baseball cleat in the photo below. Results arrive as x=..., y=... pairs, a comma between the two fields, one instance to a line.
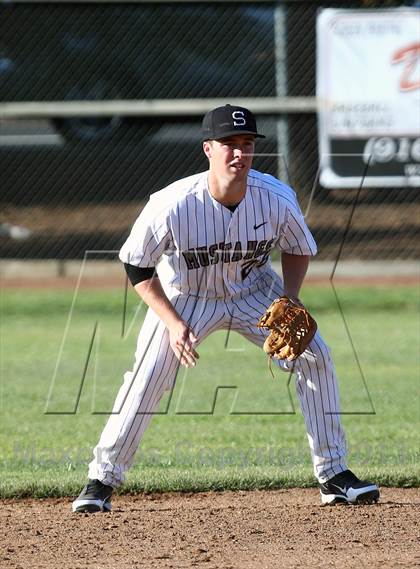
x=95, y=497
x=346, y=488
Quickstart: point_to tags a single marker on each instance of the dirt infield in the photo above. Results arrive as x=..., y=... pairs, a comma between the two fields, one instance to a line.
x=378, y=230
x=242, y=530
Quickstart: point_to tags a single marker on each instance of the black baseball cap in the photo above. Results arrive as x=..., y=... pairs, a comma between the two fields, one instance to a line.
x=227, y=121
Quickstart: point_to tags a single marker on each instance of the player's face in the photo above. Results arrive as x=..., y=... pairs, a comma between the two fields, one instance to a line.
x=231, y=158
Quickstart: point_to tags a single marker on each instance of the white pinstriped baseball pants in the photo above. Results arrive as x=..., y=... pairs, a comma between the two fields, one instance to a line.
x=156, y=367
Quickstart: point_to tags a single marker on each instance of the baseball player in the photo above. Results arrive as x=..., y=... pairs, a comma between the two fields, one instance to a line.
x=199, y=257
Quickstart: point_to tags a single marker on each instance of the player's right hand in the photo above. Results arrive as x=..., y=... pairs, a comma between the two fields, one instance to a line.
x=182, y=340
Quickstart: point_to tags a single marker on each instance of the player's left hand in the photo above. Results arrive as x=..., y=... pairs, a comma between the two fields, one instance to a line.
x=291, y=328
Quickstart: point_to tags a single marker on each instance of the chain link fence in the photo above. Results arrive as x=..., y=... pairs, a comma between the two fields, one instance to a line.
x=75, y=183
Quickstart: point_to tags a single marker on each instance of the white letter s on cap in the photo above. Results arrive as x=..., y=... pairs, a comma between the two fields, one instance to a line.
x=238, y=118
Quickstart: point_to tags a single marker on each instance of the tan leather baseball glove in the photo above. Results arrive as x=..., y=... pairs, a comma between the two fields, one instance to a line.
x=291, y=328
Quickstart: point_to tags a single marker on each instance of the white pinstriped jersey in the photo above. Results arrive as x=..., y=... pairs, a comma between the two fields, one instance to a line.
x=202, y=248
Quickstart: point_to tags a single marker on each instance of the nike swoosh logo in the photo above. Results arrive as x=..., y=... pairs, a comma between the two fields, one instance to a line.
x=260, y=225
x=344, y=489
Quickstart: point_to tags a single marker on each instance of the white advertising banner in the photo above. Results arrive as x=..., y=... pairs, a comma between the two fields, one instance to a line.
x=368, y=88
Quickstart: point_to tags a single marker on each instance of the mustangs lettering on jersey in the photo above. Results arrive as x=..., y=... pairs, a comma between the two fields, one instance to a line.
x=255, y=254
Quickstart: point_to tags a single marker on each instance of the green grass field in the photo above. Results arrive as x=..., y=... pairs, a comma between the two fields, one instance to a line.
x=249, y=435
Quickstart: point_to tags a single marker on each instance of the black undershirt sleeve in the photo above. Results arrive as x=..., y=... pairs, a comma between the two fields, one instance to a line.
x=138, y=274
